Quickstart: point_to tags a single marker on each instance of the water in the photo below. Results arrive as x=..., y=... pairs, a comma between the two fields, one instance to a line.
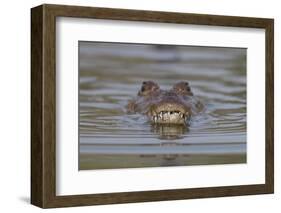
x=111, y=74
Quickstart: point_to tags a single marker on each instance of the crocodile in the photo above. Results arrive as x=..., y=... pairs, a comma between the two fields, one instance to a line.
x=175, y=106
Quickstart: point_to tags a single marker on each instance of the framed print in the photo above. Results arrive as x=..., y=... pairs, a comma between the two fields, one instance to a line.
x=136, y=106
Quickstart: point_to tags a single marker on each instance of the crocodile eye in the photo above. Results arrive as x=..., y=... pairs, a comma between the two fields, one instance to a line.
x=147, y=88
x=182, y=88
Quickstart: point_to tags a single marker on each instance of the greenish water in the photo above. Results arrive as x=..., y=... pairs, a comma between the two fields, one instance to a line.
x=111, y=74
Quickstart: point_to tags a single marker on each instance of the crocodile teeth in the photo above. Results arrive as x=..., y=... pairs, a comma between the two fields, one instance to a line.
x=167, y=116
x=154, y=118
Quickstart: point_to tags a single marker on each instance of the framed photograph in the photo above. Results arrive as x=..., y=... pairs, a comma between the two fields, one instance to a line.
x=136, y=106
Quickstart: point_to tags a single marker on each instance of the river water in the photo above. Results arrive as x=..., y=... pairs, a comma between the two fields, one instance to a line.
x=110, y=74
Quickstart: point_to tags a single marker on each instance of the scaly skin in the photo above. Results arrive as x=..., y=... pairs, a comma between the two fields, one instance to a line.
x=174, y=106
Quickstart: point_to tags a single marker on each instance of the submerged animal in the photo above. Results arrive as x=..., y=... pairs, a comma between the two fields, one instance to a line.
x=173, y=106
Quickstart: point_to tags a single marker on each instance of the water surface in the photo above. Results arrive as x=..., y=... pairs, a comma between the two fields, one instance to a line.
x=110, y=74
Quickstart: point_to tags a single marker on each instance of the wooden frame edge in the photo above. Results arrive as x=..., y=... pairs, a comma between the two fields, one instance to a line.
x=269, y=119
x=36, y=106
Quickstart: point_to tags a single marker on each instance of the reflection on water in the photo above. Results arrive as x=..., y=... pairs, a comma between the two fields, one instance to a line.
x=169, y=131
x=111, y=74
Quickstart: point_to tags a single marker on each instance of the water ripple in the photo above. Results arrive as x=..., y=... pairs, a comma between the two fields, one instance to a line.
x=111, y=76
